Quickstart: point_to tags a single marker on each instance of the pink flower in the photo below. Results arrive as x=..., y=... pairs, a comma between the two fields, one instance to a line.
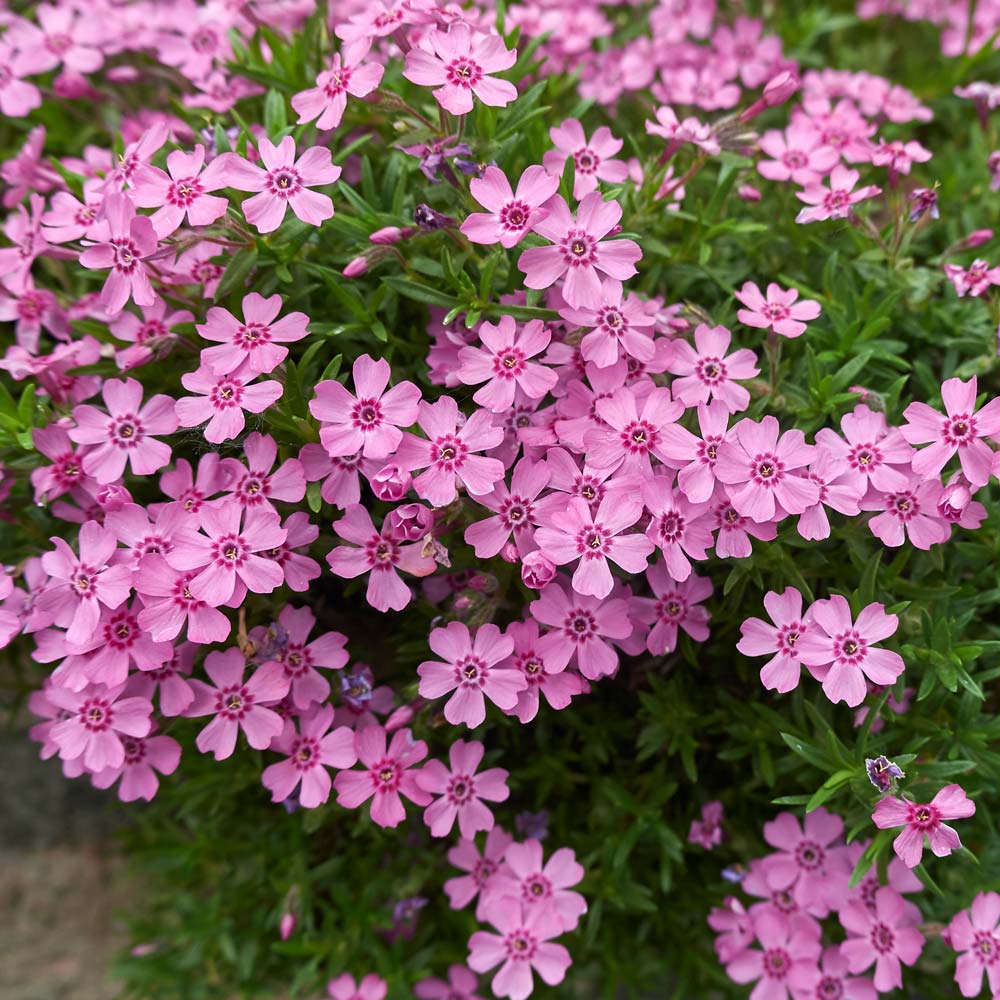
x=800, y=154
x=509, y=214
x=975, y=934
x=909, y=512
x=256, y=485
x=696, y=457
x=387, y=775
x=63, y=36
x=462, y=889
x=758, y=468
x=503, y=363
x=369, y=422
x=789, y=950
x=779, y=311
x=592, y=160
x=183, y=191
x=370, y=988
x=349, y=73
x=673, y=606
x=734, y=927
x=847, y=647
x=515, y=511
x=679, y=528
x=708, y=372
x=974, y=281
x=831, y=979
x=618, y=325
x=870, y=452
x=460, y=64
x=886, y=937
x=310, y=751
x=151, y=336
x=580, y=626
x=125, y=433
x=168, y=604
x=124, y=241
x=237, y=705
x=95, y=720
x=669, y=127
x=461, y=985
x=448, y=456
x=462, y=791
x=579, y=250
x=283, y=182
x=230, y=554
x=221, y=401
x=707, y=831
x=632, y=433
x=79, y=587
x=25, y=232
x=380, y=553
x=919, y=820
x=470, y=670
x=835, y=201
x=578, y=533
x=524, y=943
x=959, y=431
x=68, y=219
x=899, y=156
x=781, y=672
x=299, y=658
x=143, y=758
x=528, y=657
x=17, y=97
x=251, y=347
x=66, y=470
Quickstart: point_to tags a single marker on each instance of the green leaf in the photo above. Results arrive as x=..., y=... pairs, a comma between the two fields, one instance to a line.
x=275, y=113
x=237, y=271
x=419, y=292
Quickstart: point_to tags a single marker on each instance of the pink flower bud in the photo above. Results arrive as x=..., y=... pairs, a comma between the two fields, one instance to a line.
x=462, y=603
x=356, y=267
x=955, y=498
x=777, y=90
x=411, y=522
x=509, y=553
x=388, y=235
x=537, y=570
x=74, y=86
x=479, y=583
x=122, y=74
x=748, y=193
x=391, y=483
x=287, y=926
x=403, y=716
x=113, y=497
x=976, y=239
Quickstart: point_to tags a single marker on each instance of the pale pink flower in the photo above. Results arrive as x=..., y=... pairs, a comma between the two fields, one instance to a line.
x=838, y=493
x=144, y=756
x=886, y=937
x=759, y=638
x=17, y=97
x=975, y=935
x=696, y=457
x=675, y=131
x=150, y=336
x=461, y=985
x=529, y=657
x=870, y=453
x=592, y=159
x=618, y=325
x=632, y=431
x=832, y=979
x=898, y=156
x=68, y=219
x=510, y=214
x=679, y=528
x=66, y=470
x=300, y=658
x=910, y=512
x=193, y=490
x=799, y=154
x=919, y=821
x=459, y=64
x=350, y=73
x=707, y=831
x=789, y=948
x=734, y=928
x=221, y=400
x=183, y=191
x=33, y=309
x=673, y=606
x=255, y=485
x=974, y=281
x=343, y=987
x=707, y=372
x=481, y=869
x=835, y=201
x=169, y=605
x=779, y=312
x=515, y=511
x=462, y=791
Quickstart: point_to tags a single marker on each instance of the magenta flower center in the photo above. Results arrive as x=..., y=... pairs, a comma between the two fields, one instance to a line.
x=592, y=490
x=483, y=870
x=135, y=751
x=777, y=963
x=795, y=159
x=670, y=526
x=233, y=702
x=639, y=437
x=515, y=513
x=58, y=43
x=711, y=371
x=463, y=72
x=96, y=715
x=448, y=452
x=809, y=855
x=923, y=817
x=382, y=553
x=126, y=431
x=514, y=215
x=204, y=40
x=850, y=647
x=386, y=775
x=366, y=415
x=767, y=469
x=184, y=192
x=305, y=753
x=829, y=988
x=960, y=430
x=226, y=394
x=586, y=160
x=229, y=551
x=985, y=948
x=882, y=938
x=337, y=81
x=252, y=335
x=470, y=671
x=461, y=788
x=775, y=312
x=296, y=660
x=671, y=607
x=283, y=182
x=788, y=636
x=579, y=248
x=535, y=888
x=837, y=201
x=84, y=581
x=521, y=946
x=531, y=666
x=580, y=626
x=904, y=505
x=509, y=364
x=127, y=254
x=149, y=330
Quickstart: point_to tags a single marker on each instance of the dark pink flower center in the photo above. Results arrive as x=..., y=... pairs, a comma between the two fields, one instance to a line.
x=233, y=702
x=670, y=526
x=830, y=988
x=386, y=775
x=230, y=551
x=767, y=470
x=305, y=753
x=284, y=182
x=366, y=415
x=777, y=963
x=514, y=215
x=382, y=553
x=226, y=393
x=96, y=715
x=579, y=248
x=711, y=371
x=126, y=431
x=521, y=945
x=463, y=72
x=470, y=671
x=461, y=789
x=586, y=160
x=127, y=255
x=184, y=192
x=580, y=626
x=882, y=938
x=809, y=855
x=448, y=452
x=923, y=817
x=536, y=888
x=252, y=335
x=960, y=430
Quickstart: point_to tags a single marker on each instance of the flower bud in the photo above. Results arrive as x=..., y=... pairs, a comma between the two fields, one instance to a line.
x=411, y=522
x=391, y=483
x=537, y=570
x=356, y=267
x=112, y=498
x=509, y=553
x=976, y=239
x=777, y=90
x=287, y=926
x=388, y=235
x=955, y=498
x=746, y=192
x=403, y=716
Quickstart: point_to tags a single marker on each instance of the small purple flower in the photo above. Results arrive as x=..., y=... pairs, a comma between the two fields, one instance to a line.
x=532, y=826
x=882, y=772
x=356, y=688
x=434, y=158
x=427, y=219
x=924, y=200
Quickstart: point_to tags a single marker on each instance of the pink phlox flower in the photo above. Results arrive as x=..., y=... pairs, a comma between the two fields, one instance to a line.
x=481, y=869
x=309, y=751
x=703, y=86
x=784, y=964
x=66, y=470
x=974, y=281
x=707, y=372
x=745, y=50
x=150, y=337
x=848, y=648
x=577, y=409
x=733, y=927
x=191, y=490
x=696, y=457
x=522, y=945
x=707, y=831
x=529, y=657
x=169, y=605
x=592, y=159
x=579, y=250
x=69, y=219
x=380, y=553
x=460, y=63
x=237, y=704
x=841, y=126
x=835, y=201
x=919, y=821
x=25, y=231
x=32, y=310
x=899, y=877
x=283, y=181
x=840, y=493
x=510, y=213
x=17, y=97
x=194, y=42
x=779, y=312
x=799, y=154
x=832, y=979
x=255, y=485
x=910, y=512
x=673, y=606
x=618, y=326
x=471, y=667
x=221, y=400
x=680, y=529
x=144, y=756
x=580, y=627
x=341, y=476
x=959, y=430
x=502, y=362
x=633, y=430
x=299, y=569
x=142, y=535
x=676, y=131
x=760, y=470
x=461, y=985
x=759, y=638
x=255, y=345
x=351, y=73
x=515, y=511
x=27, y=171
x=448, y=453
x=220, y=93
x=887, y=937
x=388, y=774
x=461, y=791
x=899, y=156
x=975, y=934
x=343, y=987
x=300, y=658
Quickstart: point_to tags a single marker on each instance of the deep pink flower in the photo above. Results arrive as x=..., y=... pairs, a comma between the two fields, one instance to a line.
x=448, y=454
x=524, y=943
x=481, y=869
x=462, y=791
x=886, y=937
x=309, y=752
x=350, y=73
x=255, y=485
x=870, y=453
x=835, y=201
x=707, y=831
x=959, y=431
x=459, y=64
x=579, y=250
x=221, y=400
x=502, y=362
x=789, y=948
x=618, y=325
x=144, y=756
x=300, y=658
x=66, y=470
x=125, y=433
x=696, y=457
x=974, y=281
x=283, y=181
x=800, y=154
x=910, y=512
x=529, y=657
x=675, y=131
x=471, y=670
x=592, y=159
x=976, y=935
x=708, y=372
x=124, y=241
x=510, y=214
x=848, y=648
x=96, y=720
x=634, y=430
x=673, y=606
x=168, y=604
x=370, y=988
x=253, y=346
x=461, y=985
x=236, y=704
x=924, y=820
x=781, y=672
x=380, y=553
x=779, y=312
x=515, y=511
x=831, y=979
x=369, y=422
x=387, y=775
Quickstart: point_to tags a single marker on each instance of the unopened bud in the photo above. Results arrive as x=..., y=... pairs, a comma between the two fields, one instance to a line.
x=410, y=522
x=112, y=498
x=287, y=926
x=356, y=267
x=777, y=90
x=388, y=235
x=537, y=570
x=509, y=553
x=747, y=192
x=391, y=483
x=955, y=499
